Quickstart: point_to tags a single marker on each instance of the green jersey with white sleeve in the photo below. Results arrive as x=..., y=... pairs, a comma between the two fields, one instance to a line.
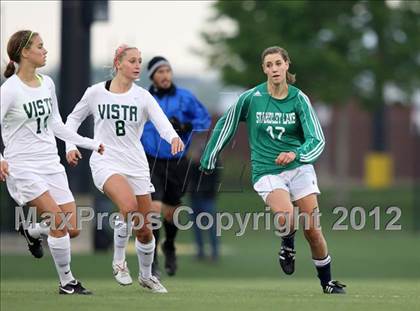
x=274, y=126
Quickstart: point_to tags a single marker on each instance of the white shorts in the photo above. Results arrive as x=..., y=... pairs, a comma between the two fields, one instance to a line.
x=140, y=185
x=299, y=182
x=25, y=186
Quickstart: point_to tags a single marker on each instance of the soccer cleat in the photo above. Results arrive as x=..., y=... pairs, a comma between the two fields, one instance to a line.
x=34, y=245
x=287, y=259
x=334, y=287
x=73, y=288
x=170, y=258
x=122, y=274
x=153, y=284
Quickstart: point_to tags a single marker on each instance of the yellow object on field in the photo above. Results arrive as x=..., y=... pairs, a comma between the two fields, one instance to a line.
x=378, y=170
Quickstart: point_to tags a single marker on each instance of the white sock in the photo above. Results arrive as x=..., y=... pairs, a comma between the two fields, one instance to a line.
x=60, y=251
x=36, y=230
x=121, y=237
x=145, y=256
x=322, y=262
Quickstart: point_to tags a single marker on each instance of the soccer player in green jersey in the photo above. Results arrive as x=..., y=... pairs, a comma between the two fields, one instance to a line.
x=285, y=138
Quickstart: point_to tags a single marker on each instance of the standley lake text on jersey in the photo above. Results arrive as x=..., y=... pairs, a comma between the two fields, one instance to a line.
x=276, y=118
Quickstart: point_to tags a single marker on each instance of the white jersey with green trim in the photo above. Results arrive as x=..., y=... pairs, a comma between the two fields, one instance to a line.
x=119, y=122
x=30, y=121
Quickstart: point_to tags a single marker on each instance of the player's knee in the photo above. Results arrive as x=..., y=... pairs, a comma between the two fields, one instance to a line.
x=144, y=234
x=168, y=214
x=73, y=233
x=129, y=207
x=157, y=206
x=59, y=232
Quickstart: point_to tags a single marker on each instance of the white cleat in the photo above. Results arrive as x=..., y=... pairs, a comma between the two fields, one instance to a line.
x=153, y=284
x=122, y=274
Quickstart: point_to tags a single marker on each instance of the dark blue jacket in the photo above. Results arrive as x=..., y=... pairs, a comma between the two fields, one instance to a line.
x=183, y=105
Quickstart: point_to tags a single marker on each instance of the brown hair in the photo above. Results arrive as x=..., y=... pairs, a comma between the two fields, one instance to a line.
x=290, y=78
x=18, y=41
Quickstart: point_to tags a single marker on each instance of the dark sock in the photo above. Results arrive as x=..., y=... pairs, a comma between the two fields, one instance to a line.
x=171, y=231
x=156, y=234
x=324, y=270
x=289, y=240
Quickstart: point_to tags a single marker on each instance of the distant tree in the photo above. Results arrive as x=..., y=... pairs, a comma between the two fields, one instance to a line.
x=339, y=49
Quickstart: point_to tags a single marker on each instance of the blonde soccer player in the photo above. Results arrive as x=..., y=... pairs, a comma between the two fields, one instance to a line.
x=120, y=109
x=30, y=121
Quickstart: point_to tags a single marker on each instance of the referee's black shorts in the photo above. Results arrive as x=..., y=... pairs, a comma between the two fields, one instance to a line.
x=170, y=179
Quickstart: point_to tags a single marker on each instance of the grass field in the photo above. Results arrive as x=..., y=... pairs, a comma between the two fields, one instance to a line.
x=378, y=276
x=216, y=294
x=381, y=269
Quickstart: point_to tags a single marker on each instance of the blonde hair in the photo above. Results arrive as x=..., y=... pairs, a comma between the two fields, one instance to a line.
x=119, y=54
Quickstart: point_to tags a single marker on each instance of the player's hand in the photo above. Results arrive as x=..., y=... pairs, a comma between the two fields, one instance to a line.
x=4, y=170
x=285, y=158
x=101, y=149
x=176, y=145
x=73, y=157
x=205, y=171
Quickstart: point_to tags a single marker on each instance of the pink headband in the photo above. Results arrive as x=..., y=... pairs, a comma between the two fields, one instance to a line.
x=119, y=51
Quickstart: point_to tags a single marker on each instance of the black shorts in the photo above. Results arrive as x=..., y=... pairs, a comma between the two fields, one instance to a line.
x=170, y=179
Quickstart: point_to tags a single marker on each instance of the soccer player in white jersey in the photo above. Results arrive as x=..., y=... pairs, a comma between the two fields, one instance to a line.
x=31, y=167
x=120, y=109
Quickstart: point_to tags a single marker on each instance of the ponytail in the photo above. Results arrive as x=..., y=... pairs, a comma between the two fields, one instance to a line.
x=10, y=70
x=20, y=40
x=290, y=78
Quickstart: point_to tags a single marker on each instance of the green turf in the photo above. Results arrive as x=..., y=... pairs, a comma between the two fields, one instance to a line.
x=213, y=294
x=361, y=255
x=247, y=277
x=381, y=269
